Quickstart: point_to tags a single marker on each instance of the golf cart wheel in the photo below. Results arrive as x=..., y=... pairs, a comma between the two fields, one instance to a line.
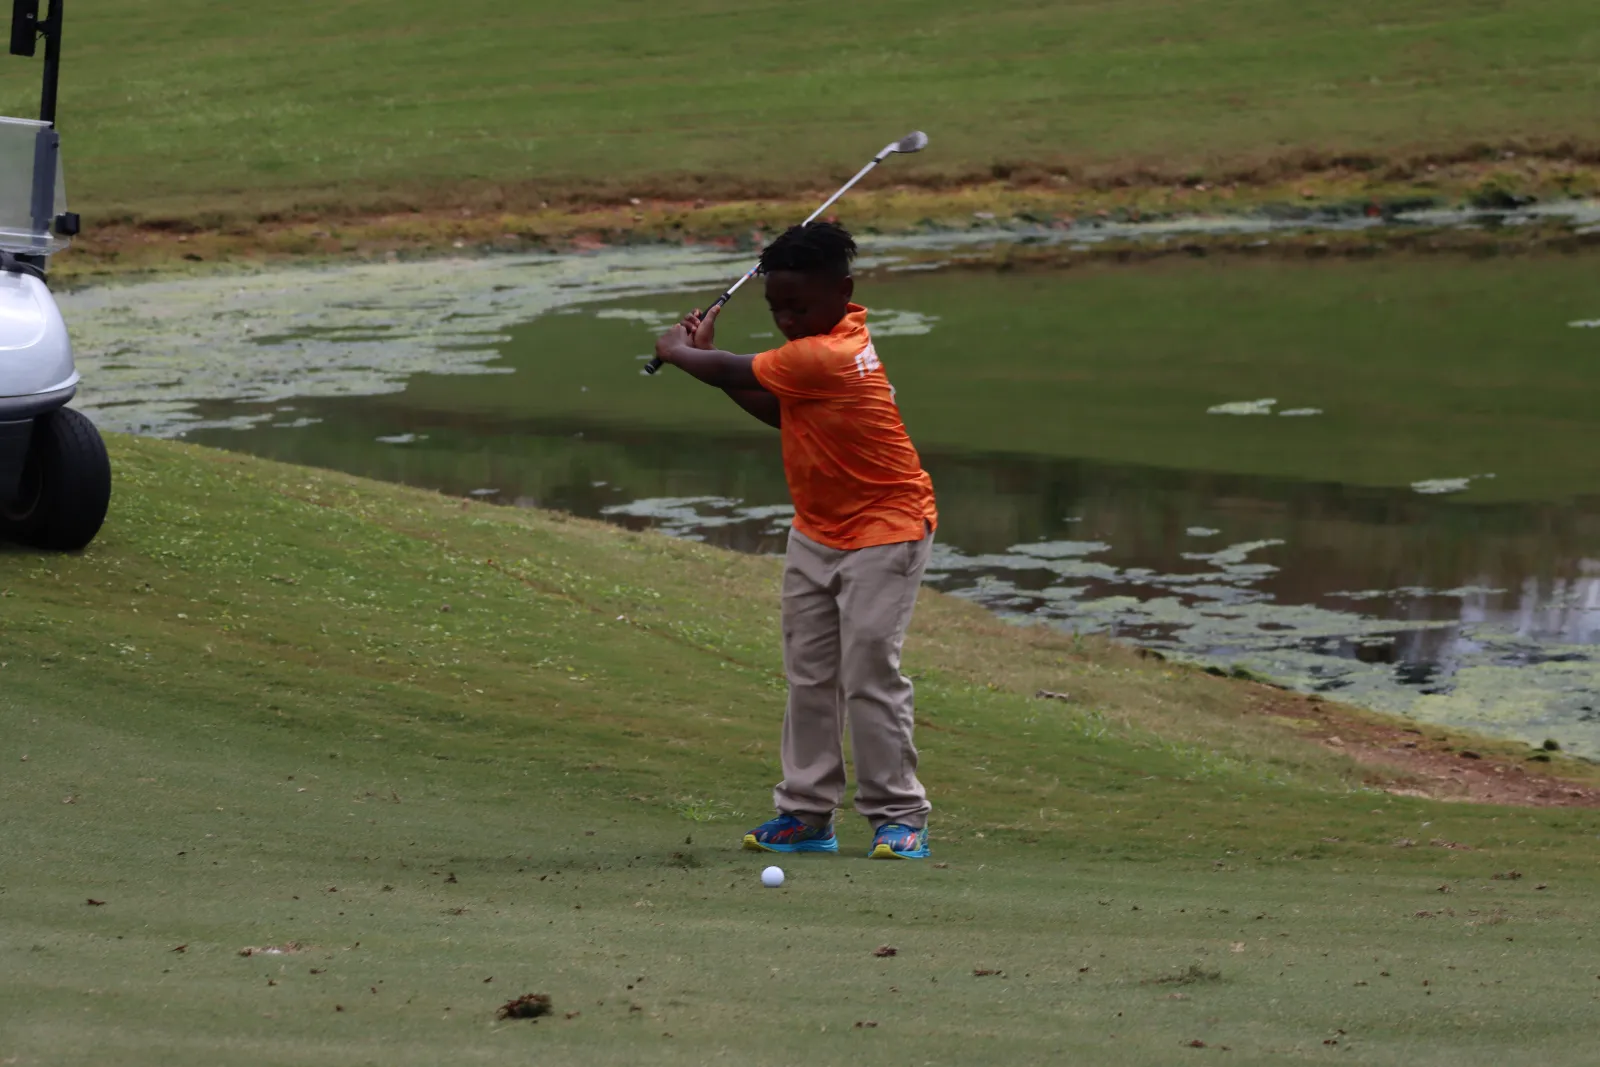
x=66, y=485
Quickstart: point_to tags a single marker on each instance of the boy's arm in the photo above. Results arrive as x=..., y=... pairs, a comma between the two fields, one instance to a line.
x=712, y=366
x=758, y=402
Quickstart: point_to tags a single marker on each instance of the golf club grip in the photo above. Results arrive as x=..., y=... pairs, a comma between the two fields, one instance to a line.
x=655, y=361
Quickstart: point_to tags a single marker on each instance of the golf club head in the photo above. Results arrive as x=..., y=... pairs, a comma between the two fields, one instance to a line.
x=915, y=141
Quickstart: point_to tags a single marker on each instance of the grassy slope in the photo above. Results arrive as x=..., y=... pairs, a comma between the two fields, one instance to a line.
x=241, y=108
x=265, y=727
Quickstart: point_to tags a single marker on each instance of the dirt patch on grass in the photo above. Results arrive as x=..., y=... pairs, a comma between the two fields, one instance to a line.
x=1426, y=761
x=1190, y=976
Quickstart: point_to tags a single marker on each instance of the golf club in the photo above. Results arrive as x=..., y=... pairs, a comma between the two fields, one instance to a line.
x=915, y=141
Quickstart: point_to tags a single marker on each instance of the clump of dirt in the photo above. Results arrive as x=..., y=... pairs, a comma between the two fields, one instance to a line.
x=885, y=950
x=527, y=1006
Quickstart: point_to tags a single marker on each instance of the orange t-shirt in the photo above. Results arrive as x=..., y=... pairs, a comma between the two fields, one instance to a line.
x=853, y=473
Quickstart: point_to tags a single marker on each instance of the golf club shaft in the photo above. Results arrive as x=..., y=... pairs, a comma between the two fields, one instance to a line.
x=655, y=361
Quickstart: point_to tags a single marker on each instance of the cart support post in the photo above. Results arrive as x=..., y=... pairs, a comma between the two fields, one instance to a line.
x=51, y=28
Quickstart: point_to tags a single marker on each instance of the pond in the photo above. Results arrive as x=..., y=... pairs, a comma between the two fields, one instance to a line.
x=1374, y=479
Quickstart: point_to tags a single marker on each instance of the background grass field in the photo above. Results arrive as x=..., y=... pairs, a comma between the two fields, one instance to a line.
x=197, y=110
x=244, y=718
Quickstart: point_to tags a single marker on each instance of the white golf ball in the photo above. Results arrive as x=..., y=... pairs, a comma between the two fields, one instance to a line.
x=772, y=877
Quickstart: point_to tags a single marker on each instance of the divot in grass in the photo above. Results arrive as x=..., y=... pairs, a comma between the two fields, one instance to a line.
x=1192, y=975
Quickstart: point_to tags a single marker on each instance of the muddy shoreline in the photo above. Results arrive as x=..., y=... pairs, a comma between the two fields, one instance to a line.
x=1324, y=195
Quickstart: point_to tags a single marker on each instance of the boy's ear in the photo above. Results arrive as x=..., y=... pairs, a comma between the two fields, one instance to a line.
x=848, y=287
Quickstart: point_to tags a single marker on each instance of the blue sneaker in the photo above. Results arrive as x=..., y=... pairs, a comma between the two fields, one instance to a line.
x=896, y=842
x=789, y=834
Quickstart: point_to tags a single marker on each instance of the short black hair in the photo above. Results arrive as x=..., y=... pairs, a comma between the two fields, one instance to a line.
x=813, y=248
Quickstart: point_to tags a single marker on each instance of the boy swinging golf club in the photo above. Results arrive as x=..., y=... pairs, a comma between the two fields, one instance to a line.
x=862, y=533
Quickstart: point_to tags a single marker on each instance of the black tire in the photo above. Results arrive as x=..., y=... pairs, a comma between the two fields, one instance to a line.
x=66, y=485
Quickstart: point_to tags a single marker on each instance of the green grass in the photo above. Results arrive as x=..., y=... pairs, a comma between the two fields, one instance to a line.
x=244, y=718
x=237, y=109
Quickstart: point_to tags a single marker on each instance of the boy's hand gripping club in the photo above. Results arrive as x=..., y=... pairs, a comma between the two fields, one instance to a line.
x=914, y=141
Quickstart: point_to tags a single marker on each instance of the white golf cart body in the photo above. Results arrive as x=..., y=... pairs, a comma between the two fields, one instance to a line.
x=35, y=352
x=54, y=478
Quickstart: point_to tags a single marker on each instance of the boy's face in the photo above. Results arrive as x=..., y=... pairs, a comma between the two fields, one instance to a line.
x=805, y=305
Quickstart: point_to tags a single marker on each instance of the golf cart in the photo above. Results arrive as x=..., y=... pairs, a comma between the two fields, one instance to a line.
x=55, y=479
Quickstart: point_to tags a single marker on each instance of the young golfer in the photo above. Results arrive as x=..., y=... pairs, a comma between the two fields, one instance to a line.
x=863, y=529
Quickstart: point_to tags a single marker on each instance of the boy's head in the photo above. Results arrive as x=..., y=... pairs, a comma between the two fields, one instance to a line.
x=808, y=278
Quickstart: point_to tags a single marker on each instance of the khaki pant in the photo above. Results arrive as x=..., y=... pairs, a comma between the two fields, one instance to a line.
x=844, y=621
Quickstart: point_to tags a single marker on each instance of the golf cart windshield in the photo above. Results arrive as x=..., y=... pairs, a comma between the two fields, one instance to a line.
x=32, y=191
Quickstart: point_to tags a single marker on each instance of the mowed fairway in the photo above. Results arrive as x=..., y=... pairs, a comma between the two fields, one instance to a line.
x=449, y=754
x=199, y=110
